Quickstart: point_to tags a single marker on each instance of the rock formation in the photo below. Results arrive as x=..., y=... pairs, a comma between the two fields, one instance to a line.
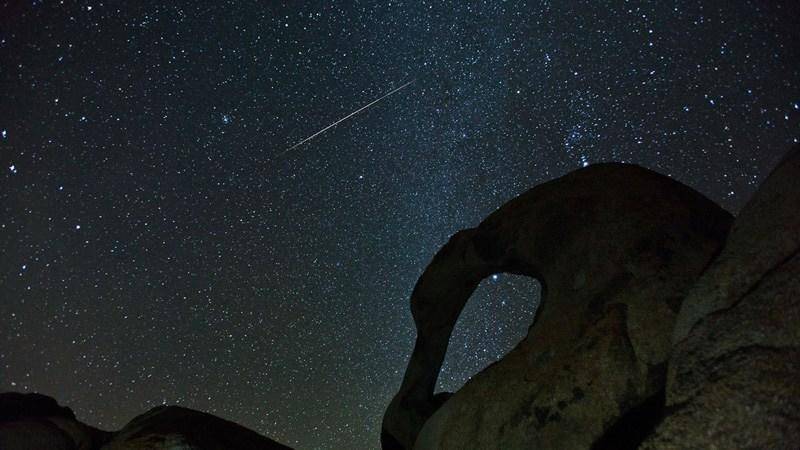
x=662, y=325
x=616, y=248
x=33, y=421
x=734, y=375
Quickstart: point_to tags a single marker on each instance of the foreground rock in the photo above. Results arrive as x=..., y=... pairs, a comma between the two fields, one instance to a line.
x=734, y=377
x=176, y=427
x=34, y=421
x=616, y=248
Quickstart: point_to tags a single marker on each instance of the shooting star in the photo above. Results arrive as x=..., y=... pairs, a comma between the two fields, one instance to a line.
x=342, y=119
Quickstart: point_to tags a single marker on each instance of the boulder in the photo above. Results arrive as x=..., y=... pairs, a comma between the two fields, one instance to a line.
x=615, y=248
x=174, y=427
x=32, y=421
x=16, y=405
x=733, y=376
x=35, y=421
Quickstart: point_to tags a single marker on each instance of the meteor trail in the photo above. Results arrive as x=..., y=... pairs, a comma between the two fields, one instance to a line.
x=342, y=119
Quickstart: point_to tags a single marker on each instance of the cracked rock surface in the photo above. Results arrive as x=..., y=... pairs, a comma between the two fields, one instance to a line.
x=733, y=376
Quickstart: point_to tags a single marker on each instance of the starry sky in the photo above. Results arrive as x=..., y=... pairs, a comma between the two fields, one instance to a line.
x=159, y=244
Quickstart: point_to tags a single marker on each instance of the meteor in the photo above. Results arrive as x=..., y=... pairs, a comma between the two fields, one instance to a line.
x=342, y=119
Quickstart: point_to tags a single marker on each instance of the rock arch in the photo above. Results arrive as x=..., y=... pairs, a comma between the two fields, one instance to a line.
x=613, y=246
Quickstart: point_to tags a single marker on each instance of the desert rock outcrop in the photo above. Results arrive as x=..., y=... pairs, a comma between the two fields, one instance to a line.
x=616, y=248
x=35, y=421
x=734, y=376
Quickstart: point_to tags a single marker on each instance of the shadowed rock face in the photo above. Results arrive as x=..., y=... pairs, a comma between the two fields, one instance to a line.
x=34, y=421
x=615, y=248
x=733, y=376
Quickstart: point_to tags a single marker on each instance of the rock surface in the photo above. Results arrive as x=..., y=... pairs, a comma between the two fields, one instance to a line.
x=616, y=248
x=34, y=421
x=734, y=375
x=32, y=434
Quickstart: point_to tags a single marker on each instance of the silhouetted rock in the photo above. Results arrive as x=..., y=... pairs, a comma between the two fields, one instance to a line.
x=31, y=434
x=35, y=421
x=16, y=405
x=734, y=377
x=616, y=248
x=173, y=427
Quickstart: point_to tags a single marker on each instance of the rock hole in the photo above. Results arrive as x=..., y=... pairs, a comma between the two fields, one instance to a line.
x=495, y=319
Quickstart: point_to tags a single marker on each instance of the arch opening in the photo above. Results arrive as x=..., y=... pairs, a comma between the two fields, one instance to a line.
x=494, y=320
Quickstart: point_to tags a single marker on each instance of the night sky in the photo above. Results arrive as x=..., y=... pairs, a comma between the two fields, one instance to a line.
x=158, y=244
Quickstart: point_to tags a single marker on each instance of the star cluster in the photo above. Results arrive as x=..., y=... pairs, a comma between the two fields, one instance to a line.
x=161, y=245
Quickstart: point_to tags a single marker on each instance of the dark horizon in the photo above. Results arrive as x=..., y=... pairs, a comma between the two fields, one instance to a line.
x=160, y=246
